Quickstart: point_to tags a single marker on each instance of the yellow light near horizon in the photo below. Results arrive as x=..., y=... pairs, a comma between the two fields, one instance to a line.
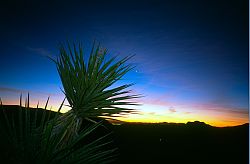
x=156, y=118
x=151, y=113
x=147, y=118
x=156, y=114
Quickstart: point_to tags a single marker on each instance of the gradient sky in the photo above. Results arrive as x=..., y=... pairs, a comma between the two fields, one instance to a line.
x=192, y=56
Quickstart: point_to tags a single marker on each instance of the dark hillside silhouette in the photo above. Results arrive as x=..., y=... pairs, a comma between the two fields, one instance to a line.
x=173, y=143
x=8, y=151
x=194, y=142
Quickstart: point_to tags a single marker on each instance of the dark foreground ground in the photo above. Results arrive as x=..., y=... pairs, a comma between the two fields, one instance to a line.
x=182, y=143
x=191, y=143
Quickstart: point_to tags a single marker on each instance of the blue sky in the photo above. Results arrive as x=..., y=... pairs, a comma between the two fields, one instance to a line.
x=190, y=56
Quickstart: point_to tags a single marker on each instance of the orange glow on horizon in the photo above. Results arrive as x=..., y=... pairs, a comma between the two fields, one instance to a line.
x=207, y=120
x=157, y=114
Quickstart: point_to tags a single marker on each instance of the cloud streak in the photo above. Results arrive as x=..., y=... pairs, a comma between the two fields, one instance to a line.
x=172, y=110
x=19, y=91
x=12, y=90
x=39, y=51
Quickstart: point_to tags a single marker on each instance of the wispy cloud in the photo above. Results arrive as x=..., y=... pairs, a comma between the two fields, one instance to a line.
x=172, y=110
x=39, y=51
x=19, y=91
x=13, y=90
x=156, y=101
x=216, y=108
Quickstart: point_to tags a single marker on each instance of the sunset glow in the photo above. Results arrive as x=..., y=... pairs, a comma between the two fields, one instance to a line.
x=191, y=59
x=155, y=113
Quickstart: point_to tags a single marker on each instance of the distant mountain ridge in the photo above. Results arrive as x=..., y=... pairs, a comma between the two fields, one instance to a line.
x=189, y=123
x=118, y=122
x=197, y=123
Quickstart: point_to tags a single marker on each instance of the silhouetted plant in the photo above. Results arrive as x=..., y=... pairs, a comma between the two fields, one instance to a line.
x=87, y=84
x=58, y=138
x=31, y=138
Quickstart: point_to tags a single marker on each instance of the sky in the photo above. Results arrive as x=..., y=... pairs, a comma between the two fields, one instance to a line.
x=191, y=57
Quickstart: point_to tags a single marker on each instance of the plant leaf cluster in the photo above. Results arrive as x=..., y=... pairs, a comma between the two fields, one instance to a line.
x=28, y=136
x=88, y=85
